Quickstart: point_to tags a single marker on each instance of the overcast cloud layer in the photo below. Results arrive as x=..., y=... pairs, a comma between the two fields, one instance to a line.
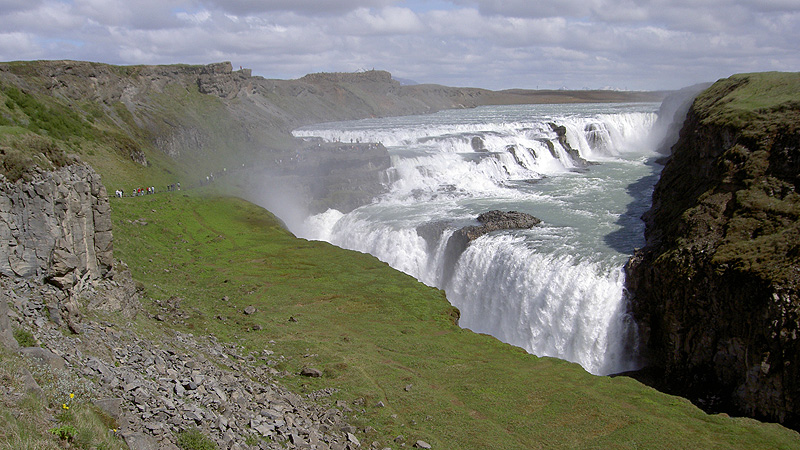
x=496, y=44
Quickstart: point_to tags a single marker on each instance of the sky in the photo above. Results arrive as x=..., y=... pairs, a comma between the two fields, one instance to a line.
x=494, y=44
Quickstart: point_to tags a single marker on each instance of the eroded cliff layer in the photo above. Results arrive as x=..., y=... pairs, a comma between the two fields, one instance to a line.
x=715, y=290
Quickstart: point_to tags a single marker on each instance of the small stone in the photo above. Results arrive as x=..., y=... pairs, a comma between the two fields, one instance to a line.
x=421, y=444
x=140, y=441
x=250, y=310
x=353, y=439
x=311, y=372
x=380, y=404
x=110, y=406
x=265, y=429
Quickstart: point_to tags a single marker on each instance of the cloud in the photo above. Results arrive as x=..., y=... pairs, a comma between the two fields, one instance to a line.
x=302, y=7
x=639, y=44
x=389, y=20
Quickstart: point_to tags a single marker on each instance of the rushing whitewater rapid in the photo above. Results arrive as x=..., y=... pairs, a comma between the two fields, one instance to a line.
x=555, y=290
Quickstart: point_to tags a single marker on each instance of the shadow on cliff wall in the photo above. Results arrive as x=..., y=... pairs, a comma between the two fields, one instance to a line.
x=631, y=232
x=671, y=115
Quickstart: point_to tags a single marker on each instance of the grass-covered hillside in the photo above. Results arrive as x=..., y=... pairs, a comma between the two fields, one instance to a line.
x=379, y=335
x=384, y=342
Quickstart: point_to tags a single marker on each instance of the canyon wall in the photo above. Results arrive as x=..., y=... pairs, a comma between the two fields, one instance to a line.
x=715, y=290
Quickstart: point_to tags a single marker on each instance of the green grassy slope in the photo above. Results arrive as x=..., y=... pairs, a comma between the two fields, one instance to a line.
x=373, y=331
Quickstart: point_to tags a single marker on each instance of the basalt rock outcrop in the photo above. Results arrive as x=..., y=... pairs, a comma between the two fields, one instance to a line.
x=561, y=133
x=56, y=227
x=716, y=289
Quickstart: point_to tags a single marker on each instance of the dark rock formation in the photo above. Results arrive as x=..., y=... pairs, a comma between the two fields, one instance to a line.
x=220, y=80
x=498, y=220
x=561, y=134
x=715, y=290
x=490, y=221
x=477, y=144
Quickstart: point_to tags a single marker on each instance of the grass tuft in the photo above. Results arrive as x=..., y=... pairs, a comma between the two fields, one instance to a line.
x=25, y=338
x=194, y=439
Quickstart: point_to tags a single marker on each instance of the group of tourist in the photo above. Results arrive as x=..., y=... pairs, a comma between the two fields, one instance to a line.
x=119, y=193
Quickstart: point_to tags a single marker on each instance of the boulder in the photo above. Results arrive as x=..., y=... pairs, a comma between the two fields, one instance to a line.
x=44, y=357
x=311, y=372
x=477, y=144
x=31, y=386
x=140, y=441
x=112, y=406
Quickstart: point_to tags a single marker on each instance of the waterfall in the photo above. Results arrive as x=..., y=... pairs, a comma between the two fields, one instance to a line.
x=554, y=290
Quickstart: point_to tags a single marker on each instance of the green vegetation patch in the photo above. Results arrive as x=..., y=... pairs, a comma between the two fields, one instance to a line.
x=389, y=344
x=24, y=338
x=758, y=187
x=755, y=101
x=21, y=152
x=194, y=439
x=53, y=120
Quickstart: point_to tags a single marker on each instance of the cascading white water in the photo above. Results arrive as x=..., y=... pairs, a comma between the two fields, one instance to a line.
x=555, y=290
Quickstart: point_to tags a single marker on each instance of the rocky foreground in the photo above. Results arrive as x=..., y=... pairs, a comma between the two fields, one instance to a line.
x=156, y=389
x=58, y=264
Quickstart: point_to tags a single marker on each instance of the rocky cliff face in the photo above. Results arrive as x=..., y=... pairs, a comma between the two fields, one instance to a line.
x=56, y=227
x=715, y=290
